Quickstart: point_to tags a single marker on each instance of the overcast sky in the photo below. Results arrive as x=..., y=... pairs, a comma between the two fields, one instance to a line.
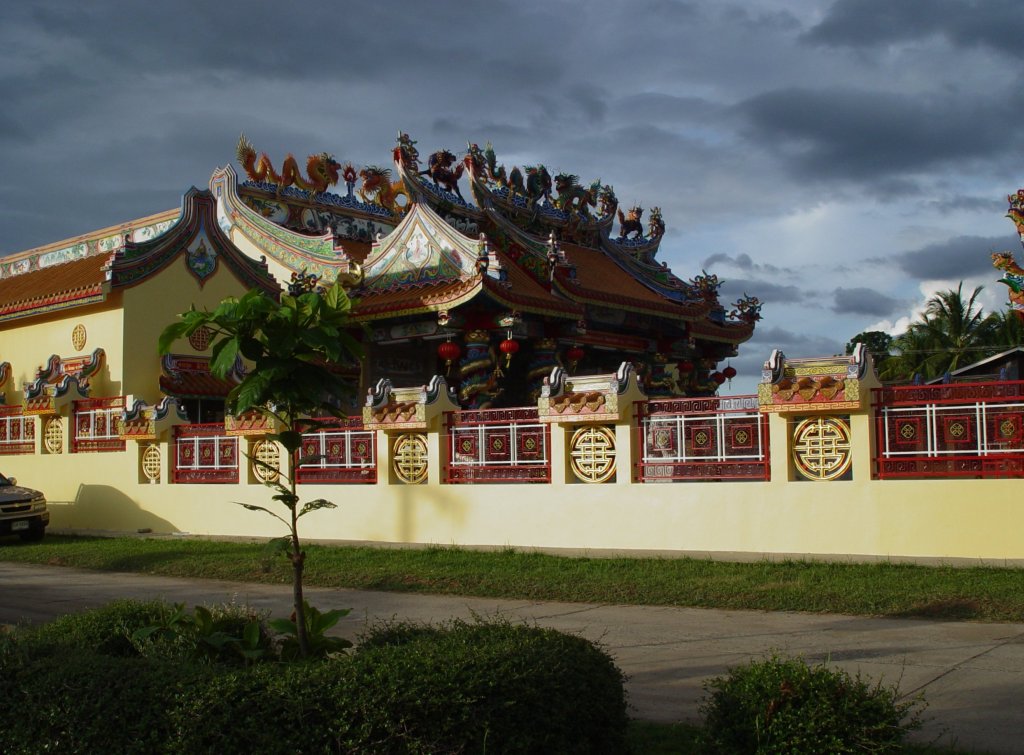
x=840, y=161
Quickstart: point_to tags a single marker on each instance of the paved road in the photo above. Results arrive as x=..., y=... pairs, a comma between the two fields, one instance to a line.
x=972, y=674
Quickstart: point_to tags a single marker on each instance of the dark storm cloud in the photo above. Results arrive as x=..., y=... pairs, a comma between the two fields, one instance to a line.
x=995, y=24
x=743, y=261
x=989, y=205
x=868, y=136
x=662, y=107
x=864, y=301
x=766, y=291
x=960, y=257
x=792, y=342
x=312, y=42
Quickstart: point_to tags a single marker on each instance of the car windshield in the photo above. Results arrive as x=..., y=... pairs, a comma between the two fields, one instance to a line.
x=4, y=481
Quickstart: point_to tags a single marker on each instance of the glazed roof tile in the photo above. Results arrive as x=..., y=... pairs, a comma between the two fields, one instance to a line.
x=600, y=280
x=195, y=385
x=526, y=293
x=411, y=300
x=53, y=287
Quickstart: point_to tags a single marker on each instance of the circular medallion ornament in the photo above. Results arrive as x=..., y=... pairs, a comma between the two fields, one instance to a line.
x=151, y=463
x=53, y=435
x=200, y=339
x=78, y=337
x=269, y=468
x=822, y=448
x=410, y=458
x=592, y=453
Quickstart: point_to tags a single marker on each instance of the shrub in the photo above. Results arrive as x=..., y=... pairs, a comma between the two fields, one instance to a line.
x=494, y=687
x=75, y=701
x=105, y=630
x=785, y=706
x=462, y=687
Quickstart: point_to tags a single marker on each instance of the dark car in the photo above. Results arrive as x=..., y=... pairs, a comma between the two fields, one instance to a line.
x=22, y=510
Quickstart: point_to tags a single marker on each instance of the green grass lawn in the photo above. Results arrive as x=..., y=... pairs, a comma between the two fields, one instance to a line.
x=881, y=589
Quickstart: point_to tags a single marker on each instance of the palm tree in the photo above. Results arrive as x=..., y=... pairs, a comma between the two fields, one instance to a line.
x=1009, y=329
x=950, y=333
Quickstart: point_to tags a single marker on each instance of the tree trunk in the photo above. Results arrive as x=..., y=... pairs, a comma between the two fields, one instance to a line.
x=298, y=563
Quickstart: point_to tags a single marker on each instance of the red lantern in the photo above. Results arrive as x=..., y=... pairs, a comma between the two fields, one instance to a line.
x=509, y=347
x=574, y=355
x=718, y=377
x=684, y=366
x=449, y=352
x=729, y=372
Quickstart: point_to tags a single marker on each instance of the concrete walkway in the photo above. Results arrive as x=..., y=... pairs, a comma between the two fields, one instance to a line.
x=971, y=674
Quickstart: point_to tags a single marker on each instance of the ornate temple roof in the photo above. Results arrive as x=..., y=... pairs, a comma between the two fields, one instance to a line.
x=600, y=280
x=426, y=265
x=57, y=282
x=199, y=239
x=103, y=241
x=54, y=287
x=408, y=243
x=261, y=221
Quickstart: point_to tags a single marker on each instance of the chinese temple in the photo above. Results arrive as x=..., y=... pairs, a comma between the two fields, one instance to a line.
x=519, y=330
x=493, y=289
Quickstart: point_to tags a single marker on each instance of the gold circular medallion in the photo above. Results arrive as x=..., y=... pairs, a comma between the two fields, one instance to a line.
x=151, y=462
x=78, y=337
x=592, y=453
x=269, y=467
x=200, y=339
x=53, y=435
x=822, y=448
x=409, y=461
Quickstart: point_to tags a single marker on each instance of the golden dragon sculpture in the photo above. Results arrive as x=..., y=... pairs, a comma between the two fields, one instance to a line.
x=322, y=170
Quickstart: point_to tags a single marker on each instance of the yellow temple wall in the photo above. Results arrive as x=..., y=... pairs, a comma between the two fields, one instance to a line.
x=861, y=517
x=155, y=303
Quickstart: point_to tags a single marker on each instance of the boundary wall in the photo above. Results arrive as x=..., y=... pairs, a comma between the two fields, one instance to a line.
x=596, y=474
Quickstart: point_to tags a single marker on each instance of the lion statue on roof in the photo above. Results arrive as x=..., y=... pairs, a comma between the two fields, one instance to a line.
x=629, y=223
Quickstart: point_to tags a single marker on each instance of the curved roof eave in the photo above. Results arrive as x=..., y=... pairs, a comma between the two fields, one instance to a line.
x=296, y=251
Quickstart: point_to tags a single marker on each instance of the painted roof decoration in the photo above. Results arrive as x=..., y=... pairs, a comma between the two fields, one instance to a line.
x=412, y=408
x=204, y=244
x=144, y=422
x=424, y=250
x=589, y=398
x=297, y=235
x=62, y=380
x=829, y=384
x=99, y=242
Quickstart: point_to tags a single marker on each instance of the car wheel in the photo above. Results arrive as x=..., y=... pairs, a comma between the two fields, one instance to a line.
x=32, y=535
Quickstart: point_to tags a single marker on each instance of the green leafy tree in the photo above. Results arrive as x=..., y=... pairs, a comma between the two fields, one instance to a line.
x=951, y=332
x=876, y=342
x=291, y=344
